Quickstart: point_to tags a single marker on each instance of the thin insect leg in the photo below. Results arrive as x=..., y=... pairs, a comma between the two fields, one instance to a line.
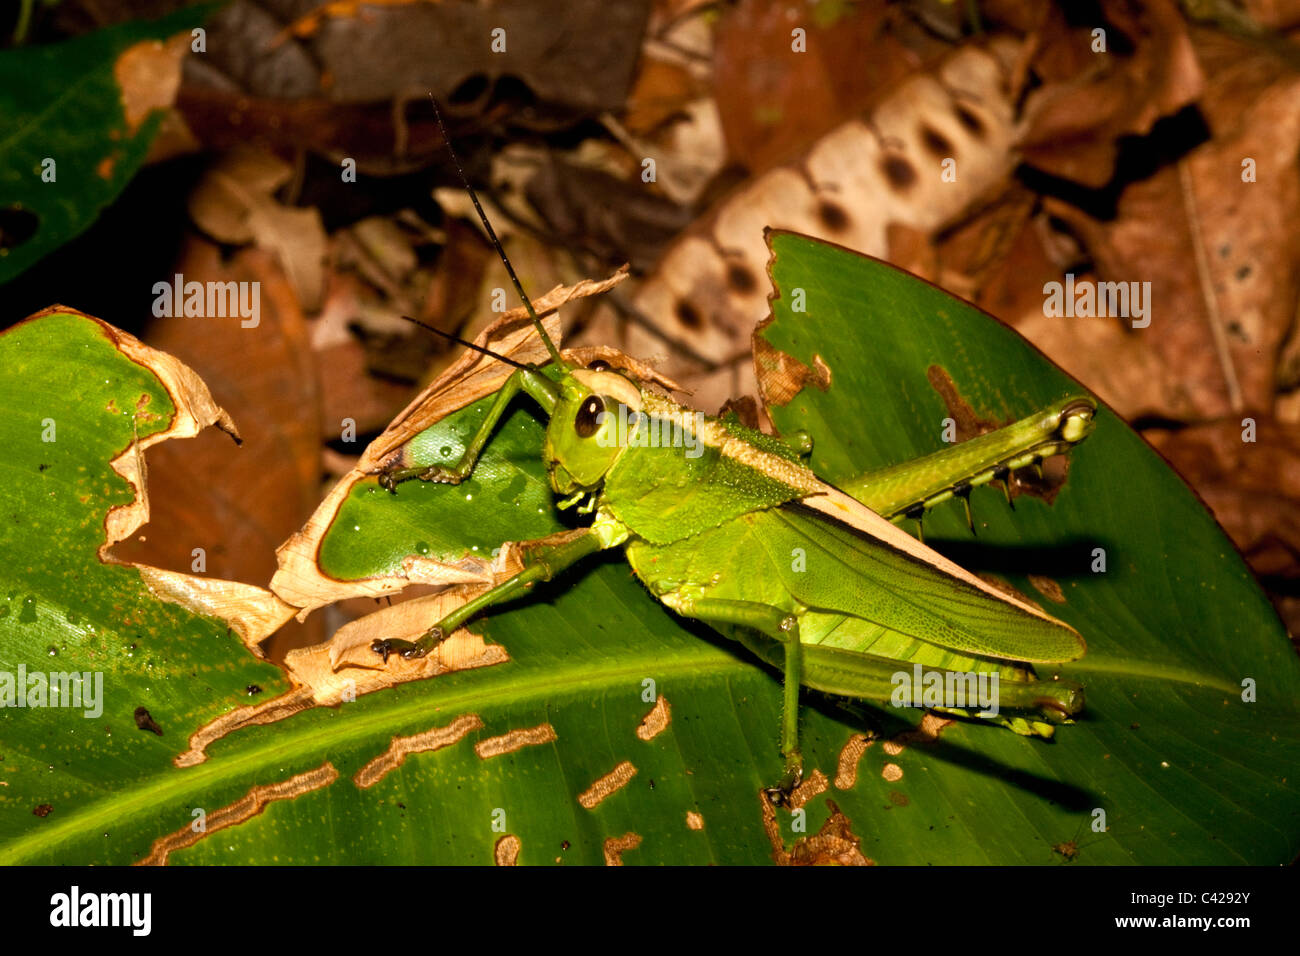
x=537, y=385
x=790, y=709
x=783, y=627
x=543, y=565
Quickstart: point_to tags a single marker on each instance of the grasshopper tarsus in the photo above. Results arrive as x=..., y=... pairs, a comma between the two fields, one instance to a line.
x=781, y=795
x=392, y=477
x=407, y=649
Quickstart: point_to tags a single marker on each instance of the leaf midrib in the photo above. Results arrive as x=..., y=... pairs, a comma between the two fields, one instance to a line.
x=150, y=792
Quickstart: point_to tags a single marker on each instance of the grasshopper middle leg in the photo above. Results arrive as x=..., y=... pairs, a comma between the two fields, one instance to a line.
x=543, y=565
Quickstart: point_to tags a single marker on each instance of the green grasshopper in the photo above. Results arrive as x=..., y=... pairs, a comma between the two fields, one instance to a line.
x=709, y=520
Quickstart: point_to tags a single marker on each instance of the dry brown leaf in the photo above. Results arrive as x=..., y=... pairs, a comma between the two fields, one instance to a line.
x=1253, y=487
x=221, y=203
x=235, y=203
x=1222, y=256
x=238, y=504
x=1278, y=14
x=348, y=389
x=661, y=90
x=774, y=99
x=254, y=613
x=1089, y=99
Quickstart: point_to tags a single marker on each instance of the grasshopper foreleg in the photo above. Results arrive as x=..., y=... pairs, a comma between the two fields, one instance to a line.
x=537, y=385
x=543, y=565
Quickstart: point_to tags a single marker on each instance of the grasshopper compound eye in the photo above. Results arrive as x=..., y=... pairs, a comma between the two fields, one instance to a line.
x=586, y=421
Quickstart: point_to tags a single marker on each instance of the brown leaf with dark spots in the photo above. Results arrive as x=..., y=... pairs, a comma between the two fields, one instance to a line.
x=1253, y=488
x=869, y=174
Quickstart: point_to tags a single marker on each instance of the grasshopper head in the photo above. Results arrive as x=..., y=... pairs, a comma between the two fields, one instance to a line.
x=588, y=430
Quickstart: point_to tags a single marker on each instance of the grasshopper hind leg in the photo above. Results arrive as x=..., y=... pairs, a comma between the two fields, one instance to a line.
x=911, y=489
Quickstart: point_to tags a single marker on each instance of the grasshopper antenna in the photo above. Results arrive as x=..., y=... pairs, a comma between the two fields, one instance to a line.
x=496, y=243
x=469, y=345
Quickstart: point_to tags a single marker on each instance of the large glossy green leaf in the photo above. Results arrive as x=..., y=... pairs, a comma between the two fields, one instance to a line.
x=63, y=103
x=1186, y=771
x=74, y=402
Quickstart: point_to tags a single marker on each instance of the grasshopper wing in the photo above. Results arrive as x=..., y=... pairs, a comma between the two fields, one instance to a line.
x=892, y=579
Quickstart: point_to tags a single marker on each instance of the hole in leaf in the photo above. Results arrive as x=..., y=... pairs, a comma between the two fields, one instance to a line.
x=17, y=225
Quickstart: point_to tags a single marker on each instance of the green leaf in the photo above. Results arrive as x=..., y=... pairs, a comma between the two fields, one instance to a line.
x=62, y=102
x=1186, y=771
x=113, y=790
x=74, y=402
x=1173, y=626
